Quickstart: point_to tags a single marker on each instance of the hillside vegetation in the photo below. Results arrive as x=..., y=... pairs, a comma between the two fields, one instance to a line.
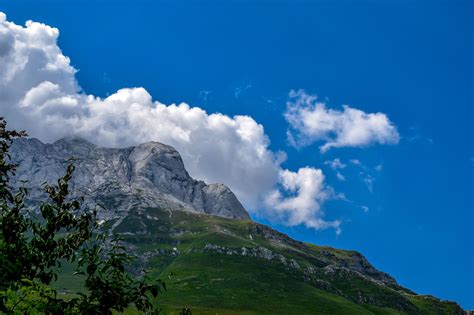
x=225, y=266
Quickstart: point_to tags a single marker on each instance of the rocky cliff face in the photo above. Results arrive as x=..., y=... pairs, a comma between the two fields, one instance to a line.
x=147, y=175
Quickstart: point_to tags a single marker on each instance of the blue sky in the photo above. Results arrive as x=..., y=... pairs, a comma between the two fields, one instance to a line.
x=411, y=60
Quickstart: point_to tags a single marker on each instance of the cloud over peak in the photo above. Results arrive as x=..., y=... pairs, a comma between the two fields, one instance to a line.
x=39, y=92
x=311, y=121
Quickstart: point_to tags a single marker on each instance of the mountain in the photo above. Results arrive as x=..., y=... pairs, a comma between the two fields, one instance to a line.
x=223, y=263
x=148, y=175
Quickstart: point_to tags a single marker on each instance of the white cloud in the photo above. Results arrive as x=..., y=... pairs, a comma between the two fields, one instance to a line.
x=335, y=164
x=365, y=209
x=240, y=89
x=311, y=121
x=39, y=93
x=355, y=162
x=340, y=176
x=368, y=180
x=306, y=192
x=204, y=95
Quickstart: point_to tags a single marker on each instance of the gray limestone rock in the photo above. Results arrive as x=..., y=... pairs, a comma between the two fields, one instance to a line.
x=147, y=175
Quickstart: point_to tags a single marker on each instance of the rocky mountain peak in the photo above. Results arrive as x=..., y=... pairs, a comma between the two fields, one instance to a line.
x=151, y=174
x=148, y=156
x=73, y=140
x=73, y=145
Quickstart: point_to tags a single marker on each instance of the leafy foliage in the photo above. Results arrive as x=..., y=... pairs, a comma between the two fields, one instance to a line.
x=110, y=286
x=32, y=250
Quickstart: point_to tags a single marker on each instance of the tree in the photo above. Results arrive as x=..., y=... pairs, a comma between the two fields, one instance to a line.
x=34, y=244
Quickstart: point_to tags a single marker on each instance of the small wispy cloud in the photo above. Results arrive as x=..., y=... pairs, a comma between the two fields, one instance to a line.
x=355, y=162
x=368, y=180
x=267, y=100
x=340, y=177
x=419, y=138
x=240, y=89
x=106, y=78
x=416, y=135
x=335, y=164
x=204, y=95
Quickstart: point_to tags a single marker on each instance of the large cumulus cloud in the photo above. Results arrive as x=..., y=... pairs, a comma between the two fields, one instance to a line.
x=39, y=93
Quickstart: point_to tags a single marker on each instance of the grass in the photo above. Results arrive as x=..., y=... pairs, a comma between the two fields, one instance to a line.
x=231, y=283
x=431, y=306
x=211, y=283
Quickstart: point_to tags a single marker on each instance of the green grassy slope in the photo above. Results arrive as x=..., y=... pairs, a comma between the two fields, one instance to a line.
x=224, y=266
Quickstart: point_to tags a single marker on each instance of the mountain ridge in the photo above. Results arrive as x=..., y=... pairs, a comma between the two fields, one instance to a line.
x=152, y=169
x=224, y=262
